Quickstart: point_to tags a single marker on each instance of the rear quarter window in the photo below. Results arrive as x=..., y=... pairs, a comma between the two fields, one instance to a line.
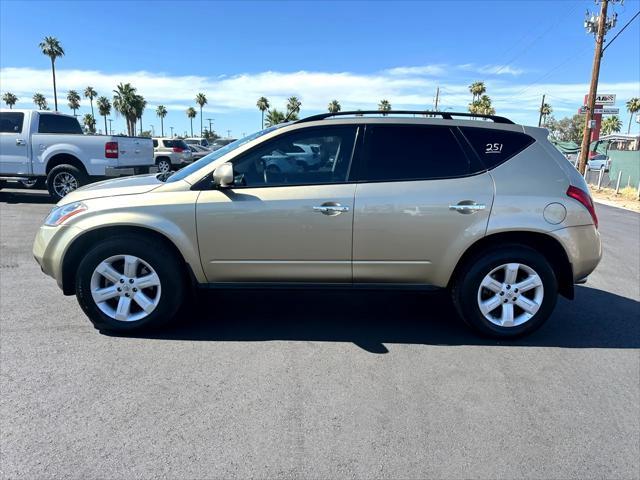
x=496, y=146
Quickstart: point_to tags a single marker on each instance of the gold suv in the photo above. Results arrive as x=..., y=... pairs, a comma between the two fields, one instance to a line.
x=487, y=209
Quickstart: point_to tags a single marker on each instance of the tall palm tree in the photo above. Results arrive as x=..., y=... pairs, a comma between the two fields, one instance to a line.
x=89, y=122
x=104, y=109
x=477, y=89
x=274, y=117
x=74, y=100
x=545, y=110
x=140, y=104
x=611, y=125
x=40, y=101
x=161, y=112
x=334, y=106
x=90, y=93
x=125, y=102
x=50, y=46
x=201, y=100
x=384, y=106
x=10, y=99
x=633, y=106
x=263, y=105
x=191, y=113
x=293, y=108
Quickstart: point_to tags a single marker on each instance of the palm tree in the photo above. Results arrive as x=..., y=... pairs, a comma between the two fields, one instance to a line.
x=611, y=125
x=104, y=109
x=274, y=117
x=74, y=101
x=89, y=122
x=384, y=106
x=90, y=93
x=191, y=113
x=125, y=102
x=293, y=108
x=263, y=105
x=140, y=104
x=477, y=89
x=40, y=101
x=10, y=99
x=545, y=111
x=50, y=46
x=633, y=106
x=334, y=106
x=161, y=112
x=201, y=100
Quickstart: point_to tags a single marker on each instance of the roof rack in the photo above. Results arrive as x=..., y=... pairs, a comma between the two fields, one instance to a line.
x=444, y=115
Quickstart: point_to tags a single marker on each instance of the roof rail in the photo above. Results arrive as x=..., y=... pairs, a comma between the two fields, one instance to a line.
x=444, y=115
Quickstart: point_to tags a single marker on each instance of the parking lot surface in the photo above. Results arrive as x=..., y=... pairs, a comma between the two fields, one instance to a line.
x=318, y=384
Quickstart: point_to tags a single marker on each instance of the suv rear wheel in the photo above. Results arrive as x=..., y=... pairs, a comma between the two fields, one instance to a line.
x=506, y=292
x=164, y=165
x=129, y=283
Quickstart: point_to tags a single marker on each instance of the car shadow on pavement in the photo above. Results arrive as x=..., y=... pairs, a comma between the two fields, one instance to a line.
x=26, y=196
x=596, y=319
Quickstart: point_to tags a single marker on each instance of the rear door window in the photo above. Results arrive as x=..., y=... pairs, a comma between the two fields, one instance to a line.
x=413, y=152
x=52, y=123
x=11, y=122
x=496, y=146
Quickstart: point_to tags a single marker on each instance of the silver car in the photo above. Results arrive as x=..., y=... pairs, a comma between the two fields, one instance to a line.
x=488, y=210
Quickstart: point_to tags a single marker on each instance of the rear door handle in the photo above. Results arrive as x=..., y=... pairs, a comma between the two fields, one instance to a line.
x=331, y=208
x=467, y=207
x=20, y=141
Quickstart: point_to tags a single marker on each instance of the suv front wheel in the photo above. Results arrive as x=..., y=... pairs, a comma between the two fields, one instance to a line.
x=506, y=292
x=129, y=283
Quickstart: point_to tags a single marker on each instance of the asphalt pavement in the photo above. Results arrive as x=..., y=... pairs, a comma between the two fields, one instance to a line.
x=318, y=384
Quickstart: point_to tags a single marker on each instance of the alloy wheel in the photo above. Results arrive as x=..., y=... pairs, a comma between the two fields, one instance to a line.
x=64, y=183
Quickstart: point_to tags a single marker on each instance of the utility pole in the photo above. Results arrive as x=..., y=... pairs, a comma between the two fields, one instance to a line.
x=435, y=107
x=210, y=120
x=598, y=26
x=541, y=107
x=171, y=131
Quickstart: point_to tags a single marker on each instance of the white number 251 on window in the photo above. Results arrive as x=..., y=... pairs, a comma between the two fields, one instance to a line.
x=493, y=148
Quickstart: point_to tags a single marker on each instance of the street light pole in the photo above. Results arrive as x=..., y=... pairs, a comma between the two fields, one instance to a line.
x=210, y=120
x=599, y=29
x=171, y=131
x=110, y=129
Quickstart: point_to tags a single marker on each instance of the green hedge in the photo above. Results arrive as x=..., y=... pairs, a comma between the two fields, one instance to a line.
x=626, y=162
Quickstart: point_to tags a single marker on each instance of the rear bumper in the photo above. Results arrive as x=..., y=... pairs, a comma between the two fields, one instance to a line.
x=128, y=171
x=583, y=247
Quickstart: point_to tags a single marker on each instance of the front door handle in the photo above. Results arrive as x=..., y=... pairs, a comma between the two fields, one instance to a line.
x=20, y=141
x=331, y=208
x=467, y=207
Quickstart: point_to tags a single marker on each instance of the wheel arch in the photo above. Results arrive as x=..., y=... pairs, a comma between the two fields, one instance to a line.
x=64, y=159
x=73, y=255
x=548, y=246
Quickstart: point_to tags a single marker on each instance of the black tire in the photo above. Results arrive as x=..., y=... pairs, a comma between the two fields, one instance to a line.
x=77, y=176
x=166, y=161
x=466, y=286
x=2, y=184
x=157, y=255
x=33, y=183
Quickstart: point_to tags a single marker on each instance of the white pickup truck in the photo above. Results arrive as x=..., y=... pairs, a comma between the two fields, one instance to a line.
x=49, y=145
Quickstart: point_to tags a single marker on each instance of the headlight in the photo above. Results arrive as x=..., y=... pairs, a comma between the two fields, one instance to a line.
x=59, y=215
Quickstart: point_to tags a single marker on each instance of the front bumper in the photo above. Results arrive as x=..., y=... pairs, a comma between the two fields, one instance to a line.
x=50, y=246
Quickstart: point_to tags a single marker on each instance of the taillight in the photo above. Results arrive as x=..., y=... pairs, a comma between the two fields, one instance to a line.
x=111, y=150
x=178, y=150
x=585, y=199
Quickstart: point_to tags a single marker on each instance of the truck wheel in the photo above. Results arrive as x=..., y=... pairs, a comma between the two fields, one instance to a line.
x=130, y=283
x=33, y=183
x=64, y=179
x=164, y=165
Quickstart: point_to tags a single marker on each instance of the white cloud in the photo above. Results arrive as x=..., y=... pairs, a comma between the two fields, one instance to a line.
x=492, y=69
x=431, y=70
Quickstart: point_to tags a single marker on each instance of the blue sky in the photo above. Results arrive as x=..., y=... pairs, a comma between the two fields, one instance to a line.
x=356, y=52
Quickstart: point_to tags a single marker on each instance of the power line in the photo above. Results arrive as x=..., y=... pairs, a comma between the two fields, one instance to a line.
x=621, y=30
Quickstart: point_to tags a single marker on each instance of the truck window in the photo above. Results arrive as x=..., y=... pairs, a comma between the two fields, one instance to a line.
x=11, y=122
x=52, y=123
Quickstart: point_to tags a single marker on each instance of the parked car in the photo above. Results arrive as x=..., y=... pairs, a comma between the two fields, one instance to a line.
x=37, y=147
x=197, y=152
x=599, y=162
x=292, y=157
x=221, y=142
x=170, y=154
x=490, y=211
x=203, y=142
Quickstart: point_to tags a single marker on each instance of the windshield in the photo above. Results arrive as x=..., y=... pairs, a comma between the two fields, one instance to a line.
x=213, y=156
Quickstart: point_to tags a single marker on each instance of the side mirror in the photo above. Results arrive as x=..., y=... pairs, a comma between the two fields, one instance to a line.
x=223, y=175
